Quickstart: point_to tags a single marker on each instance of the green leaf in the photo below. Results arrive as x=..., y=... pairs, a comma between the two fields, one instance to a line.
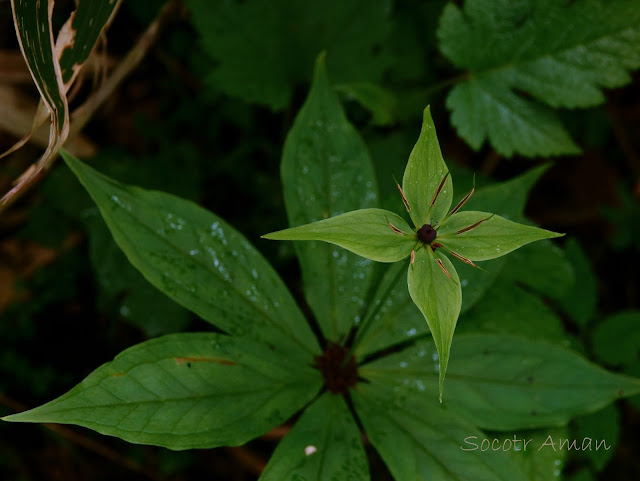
x=585, y=474
x=263, y=49
x=509, y=198
x=506, y=199
x=601, y=430
x=365, y=232
x=422, y=441
x=183, y=391
x=438, y=296
x=540, y=462
x=325, y=443
x=124, y=292
x=199, y=261
x=493, y=236
x=512, y=47
x=542, y=266
x=504, y=382
x=580, y=300
x=392, y=316
x=326, y=171
x=422, y=177
x=616, y=340
x=379, y=101
x=485, y=108
x=508, y=309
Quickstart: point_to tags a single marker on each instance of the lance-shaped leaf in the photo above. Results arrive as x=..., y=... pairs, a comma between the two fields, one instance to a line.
x=504, y=382
x=326, y=171
x=199, y=261
x=480, y=236
x=438, y=296
x=421, y=442
x=325, y=443
x=376, y=234
x=183, y=391
x=424, y=176
x=508, y=200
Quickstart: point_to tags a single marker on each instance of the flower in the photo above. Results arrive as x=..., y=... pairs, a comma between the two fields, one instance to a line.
x=437, y=232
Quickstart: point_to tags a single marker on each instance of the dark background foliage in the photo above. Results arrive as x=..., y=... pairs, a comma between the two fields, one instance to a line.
x=183, y=123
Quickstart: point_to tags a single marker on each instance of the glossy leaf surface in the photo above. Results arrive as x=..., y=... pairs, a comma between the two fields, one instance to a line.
x=419, y=440
x=325, y=443
x=326, y=171
x=200, y=261
x=185, y=391
x=504, y=382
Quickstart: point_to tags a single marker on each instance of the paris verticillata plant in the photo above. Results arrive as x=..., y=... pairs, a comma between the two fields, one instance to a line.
x=383, y=236
x=371, y=364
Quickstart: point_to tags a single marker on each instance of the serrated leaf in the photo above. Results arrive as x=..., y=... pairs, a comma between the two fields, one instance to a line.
x=616, y=340
x=483, y=109
x=423, y=175
x=561, y=53
x=366, y=232
x=325, y=443
x=326, y=171
x=199, y=261
x=481, y=236
x=263, y=49
x=438, y=296
x=421, y=441
x=504, y=382
x=183, y=391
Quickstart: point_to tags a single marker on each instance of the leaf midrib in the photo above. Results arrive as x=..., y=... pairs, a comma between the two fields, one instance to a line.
x=217, y=274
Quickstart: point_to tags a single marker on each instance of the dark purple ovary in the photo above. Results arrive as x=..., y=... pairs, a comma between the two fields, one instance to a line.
x=427, y=234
